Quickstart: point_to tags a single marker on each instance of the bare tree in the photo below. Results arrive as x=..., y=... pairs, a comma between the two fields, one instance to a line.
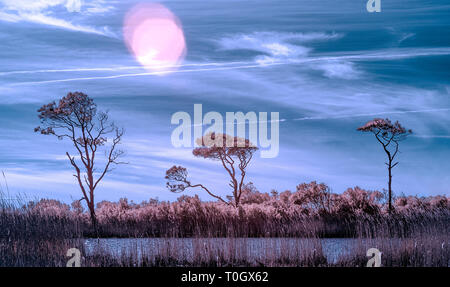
x=76, y=118
x=233, y=153
x=389, y=135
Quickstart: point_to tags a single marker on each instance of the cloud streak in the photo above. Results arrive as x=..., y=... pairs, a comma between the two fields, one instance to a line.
x=332, y=65
x=372, y=114
x=119, y=68
x=146, y=74
x=40, y=12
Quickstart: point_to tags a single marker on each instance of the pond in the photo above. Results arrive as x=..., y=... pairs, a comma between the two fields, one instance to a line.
x=252, y=249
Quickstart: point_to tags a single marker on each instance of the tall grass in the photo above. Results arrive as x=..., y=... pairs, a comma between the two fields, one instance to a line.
x=231, y=252
x=190, y=217
x=39, y=233
x=419, y=251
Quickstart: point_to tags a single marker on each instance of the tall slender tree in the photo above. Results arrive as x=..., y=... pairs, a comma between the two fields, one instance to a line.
x=389, y=135
x=77, y=119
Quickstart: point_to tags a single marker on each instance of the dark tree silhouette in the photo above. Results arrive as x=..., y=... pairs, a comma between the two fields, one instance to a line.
x=178, y=182
x=76, y=118
x=389, y=135
x=233, y=153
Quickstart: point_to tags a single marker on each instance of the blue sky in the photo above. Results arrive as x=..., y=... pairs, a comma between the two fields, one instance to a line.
x=340, y=67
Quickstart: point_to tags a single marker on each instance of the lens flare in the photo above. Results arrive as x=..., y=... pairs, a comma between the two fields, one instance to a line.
x=154, y=35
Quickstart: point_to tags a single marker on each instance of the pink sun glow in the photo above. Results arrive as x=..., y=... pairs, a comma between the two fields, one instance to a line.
x=154, y=35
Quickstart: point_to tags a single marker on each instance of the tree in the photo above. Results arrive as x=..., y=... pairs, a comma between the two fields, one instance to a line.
x=389, y=135
x=178, y=182
x=77, y=119
x=233, y=153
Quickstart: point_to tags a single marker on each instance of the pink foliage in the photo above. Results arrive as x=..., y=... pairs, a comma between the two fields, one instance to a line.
x=310, y=199
x=359, y=201
x=313, y=197
x=385, y=126
x=49, y=207
x=251, y=195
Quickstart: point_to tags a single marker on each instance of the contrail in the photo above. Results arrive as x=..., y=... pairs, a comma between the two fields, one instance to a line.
x=148, y=74
x=389, y=54
x=71, y=70
x=120, y=68
x=232, y=65
x=371, y=114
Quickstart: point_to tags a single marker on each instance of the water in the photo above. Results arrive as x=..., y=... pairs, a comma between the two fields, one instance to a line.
x=250, y=248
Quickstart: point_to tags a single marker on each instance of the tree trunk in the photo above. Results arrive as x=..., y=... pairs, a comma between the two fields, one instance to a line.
x=93, y=217
x=390, y=186
x=236, y=193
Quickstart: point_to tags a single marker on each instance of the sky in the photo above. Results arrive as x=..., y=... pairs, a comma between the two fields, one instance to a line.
x=326, y=66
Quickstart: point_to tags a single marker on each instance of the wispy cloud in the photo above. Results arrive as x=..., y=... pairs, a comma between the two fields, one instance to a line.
x=433, y=136
x=274, y=43
x=148, y=74
x=372, y=114
x=58, y=181
x=338, y=70
x=55, y=22
x=121, y=68
x=40, y=12
x=336, y=66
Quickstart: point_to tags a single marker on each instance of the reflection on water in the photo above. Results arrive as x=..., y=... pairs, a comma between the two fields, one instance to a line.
x=250, y=248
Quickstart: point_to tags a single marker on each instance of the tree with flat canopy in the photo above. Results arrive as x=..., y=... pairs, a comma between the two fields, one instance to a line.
x=76, y=118
x=389, y=135
x=233, y=153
